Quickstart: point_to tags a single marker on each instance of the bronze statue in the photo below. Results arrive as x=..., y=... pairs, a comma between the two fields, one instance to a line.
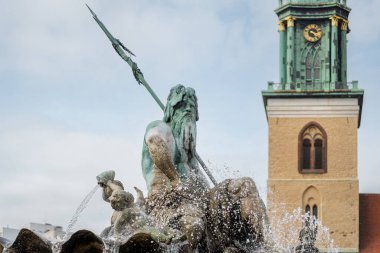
x=227, y=218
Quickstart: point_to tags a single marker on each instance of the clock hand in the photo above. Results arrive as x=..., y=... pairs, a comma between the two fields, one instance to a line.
x=314, y=33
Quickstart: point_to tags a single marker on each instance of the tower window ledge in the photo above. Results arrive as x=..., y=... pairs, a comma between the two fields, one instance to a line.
x=313, y=87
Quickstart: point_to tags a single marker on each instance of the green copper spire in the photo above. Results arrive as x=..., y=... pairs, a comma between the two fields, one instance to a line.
x=313, y=51
x=311, y=2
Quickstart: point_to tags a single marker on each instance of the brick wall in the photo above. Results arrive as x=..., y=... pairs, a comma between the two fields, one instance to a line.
x=338, y=190
x=369, y=209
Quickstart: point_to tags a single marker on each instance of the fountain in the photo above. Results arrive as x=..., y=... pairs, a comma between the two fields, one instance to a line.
x=181, y=213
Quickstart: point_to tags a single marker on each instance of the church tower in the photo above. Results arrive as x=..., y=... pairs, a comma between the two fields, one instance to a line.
x=313, y=116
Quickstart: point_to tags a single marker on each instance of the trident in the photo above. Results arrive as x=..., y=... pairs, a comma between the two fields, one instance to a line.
x=121, y=49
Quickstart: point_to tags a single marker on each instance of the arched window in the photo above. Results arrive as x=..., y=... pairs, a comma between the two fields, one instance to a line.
x=317, y=71
x=312, y=62
x=312, y=150
x=315, y=211
x=307, y=209
x=309, y=67
x=306, y=154
x=318, y=144
x=311, y=201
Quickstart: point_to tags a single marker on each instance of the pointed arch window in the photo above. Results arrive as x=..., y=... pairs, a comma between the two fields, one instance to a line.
x=313, y=70
x=306, y=147
x=312, y=149
x=316, y=69
x=315, y=211
x=309, y=66
x=311, y=202
x=307, y=209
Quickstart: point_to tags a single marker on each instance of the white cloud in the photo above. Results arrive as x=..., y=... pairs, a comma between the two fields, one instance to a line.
x=364, y=19
x=49, y=172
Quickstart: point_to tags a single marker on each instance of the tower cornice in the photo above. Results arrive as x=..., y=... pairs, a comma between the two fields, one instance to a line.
x=278, y=94
x=321, y=11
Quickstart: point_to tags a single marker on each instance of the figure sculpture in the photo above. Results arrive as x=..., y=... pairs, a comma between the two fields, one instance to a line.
x=170, y=167
x=169, y=145
x=128, y=217
x=233, y=210
x=178, y=192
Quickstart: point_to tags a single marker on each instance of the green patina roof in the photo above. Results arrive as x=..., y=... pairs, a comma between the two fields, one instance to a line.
x=311, y=9
x=312, y=2
x=310, y=69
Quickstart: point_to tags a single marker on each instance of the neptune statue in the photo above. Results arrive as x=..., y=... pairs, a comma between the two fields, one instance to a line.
x=169, y=145
x=229, y=217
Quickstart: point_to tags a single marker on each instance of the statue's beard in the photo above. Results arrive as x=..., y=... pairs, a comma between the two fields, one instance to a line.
x=185, y=132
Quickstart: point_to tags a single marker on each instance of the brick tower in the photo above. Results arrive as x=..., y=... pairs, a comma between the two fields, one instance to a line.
x=313, y=116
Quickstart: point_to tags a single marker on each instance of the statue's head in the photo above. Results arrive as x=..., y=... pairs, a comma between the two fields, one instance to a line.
x=181, y=102
x=121, y=199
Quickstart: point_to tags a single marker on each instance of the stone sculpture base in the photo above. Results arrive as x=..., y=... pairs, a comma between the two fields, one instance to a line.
x=29, y=242
x=231, y=218
x=140, y=243
x=83, y=241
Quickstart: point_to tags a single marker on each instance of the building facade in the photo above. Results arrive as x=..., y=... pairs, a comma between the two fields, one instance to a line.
x=313, y=117
x=46, y=230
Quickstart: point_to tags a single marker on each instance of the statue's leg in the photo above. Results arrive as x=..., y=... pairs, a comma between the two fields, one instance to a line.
x=193, y=228
x=252, y=209
x=192, y=224
x=161, y=145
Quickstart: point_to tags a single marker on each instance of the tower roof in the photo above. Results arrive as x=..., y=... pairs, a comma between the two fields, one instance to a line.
x=312, y=2
x=312, y=9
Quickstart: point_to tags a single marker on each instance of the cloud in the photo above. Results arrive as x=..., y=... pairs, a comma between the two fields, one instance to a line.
x=364, y=19
x=49, y=172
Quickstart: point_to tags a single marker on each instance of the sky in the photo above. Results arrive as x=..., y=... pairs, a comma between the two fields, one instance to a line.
x=71, y=109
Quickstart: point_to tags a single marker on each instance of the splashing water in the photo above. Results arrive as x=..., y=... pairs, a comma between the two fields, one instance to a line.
x=79, y=210
x=283, y=232
x=110, y=246
x=5, y=243
x=222, y=172
x=112, y=242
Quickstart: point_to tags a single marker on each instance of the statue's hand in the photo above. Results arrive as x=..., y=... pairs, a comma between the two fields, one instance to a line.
x=101, y=184
x=104, y=177
x=104, y=184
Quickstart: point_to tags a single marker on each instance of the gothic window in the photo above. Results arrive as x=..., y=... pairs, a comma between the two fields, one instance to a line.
x=311, y=201
x=306, y=154
x=312, y=149
x=318, y=153
x=317, y=69
x=315, y=211
x=309, y=66
x=313, y=70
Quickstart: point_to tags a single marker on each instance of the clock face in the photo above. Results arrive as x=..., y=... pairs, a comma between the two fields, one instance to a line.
x=312, y=33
